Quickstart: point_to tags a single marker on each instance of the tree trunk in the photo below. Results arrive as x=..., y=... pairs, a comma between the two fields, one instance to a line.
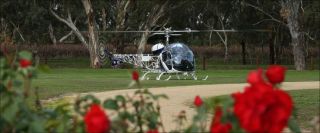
x=93, y=40
x=52, y=37
x=104, y=19
x=143, y=41
x=271, y=49
x=226, y=54
x=210, y=40
x=292, y=13
x=243, y=46
x=298, y=52
x=122, y=7
x=94, y=58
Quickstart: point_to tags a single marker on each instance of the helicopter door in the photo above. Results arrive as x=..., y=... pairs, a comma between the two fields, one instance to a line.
x=167, y=60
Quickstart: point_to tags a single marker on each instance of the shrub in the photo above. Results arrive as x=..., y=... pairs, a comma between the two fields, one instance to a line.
x=262, y=107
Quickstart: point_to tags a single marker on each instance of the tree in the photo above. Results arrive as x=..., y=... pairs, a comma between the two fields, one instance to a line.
x=91, y=42
x=219, y=18
x=26, y=20
x=150, y=22
x=291, y=11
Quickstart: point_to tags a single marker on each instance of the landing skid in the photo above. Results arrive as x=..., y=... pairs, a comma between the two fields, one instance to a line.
x=179, y=76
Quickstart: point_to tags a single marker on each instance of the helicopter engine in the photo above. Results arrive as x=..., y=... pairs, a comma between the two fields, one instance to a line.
x=157, y=48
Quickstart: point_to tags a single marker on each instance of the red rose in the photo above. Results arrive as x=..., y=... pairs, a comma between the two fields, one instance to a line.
x=255, y=76
x=135, y=75
x=25, y=63
x=261, y=108
x=216, y=125
x=96, y=120
x=153, y=131
x=275, y=74
x=197, y=101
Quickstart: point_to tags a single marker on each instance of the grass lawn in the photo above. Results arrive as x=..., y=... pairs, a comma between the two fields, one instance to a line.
x=306, y=102
x=73, y=80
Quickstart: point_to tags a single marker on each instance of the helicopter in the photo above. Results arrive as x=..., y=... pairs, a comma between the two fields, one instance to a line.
x=166, y=59
x=172, y=59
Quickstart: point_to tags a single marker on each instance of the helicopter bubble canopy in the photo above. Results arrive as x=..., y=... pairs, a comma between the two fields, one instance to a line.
x=178, y=56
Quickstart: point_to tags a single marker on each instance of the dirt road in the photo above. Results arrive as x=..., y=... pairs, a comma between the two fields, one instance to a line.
x=180, y=94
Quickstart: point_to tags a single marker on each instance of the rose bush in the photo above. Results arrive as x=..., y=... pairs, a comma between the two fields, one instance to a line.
x=261, y=107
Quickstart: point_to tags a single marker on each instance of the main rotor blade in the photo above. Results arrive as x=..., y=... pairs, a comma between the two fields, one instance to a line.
x=188, y=31
x=241, y=30
x=159, y=33
x=128, y=31
x=175, y=34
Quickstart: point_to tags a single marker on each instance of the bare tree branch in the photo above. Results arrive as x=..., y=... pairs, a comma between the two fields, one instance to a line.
x=65, y=36
x=52, y=37
x=308, y=35
x=263, y=20
x=69, y=34
x=17, y=30
x=155, y=14
x=262, y=11
x=71, y=25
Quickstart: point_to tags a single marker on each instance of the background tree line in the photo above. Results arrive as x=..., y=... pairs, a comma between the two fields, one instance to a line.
x=293, y=24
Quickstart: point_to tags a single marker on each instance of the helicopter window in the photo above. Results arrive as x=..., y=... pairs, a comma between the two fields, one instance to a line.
x=166, y=56
x=181, y=52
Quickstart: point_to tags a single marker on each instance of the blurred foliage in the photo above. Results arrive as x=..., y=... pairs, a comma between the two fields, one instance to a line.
x=134, y=113
x=137, y=112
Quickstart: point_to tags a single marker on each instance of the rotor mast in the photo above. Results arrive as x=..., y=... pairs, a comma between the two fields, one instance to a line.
x=167, y=34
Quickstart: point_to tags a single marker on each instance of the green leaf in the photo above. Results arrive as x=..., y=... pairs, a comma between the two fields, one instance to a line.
x=120, y=98
x=61, y=128
x=293, y=126
x=192, y=129
x=2, y=88
x=295, y=112
x=37, y=126
x=156, y=97
x=146, y=91
x=110, y=104
x=4, y=100
x=137, y=92
x=131, y=118
x=24, y=72
x=93, y=98
x=10, y=112
x=17, y=83
x=136, y=104
x=126, y=115
x=2, y=62
x=25, y=55
x=153, y=120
